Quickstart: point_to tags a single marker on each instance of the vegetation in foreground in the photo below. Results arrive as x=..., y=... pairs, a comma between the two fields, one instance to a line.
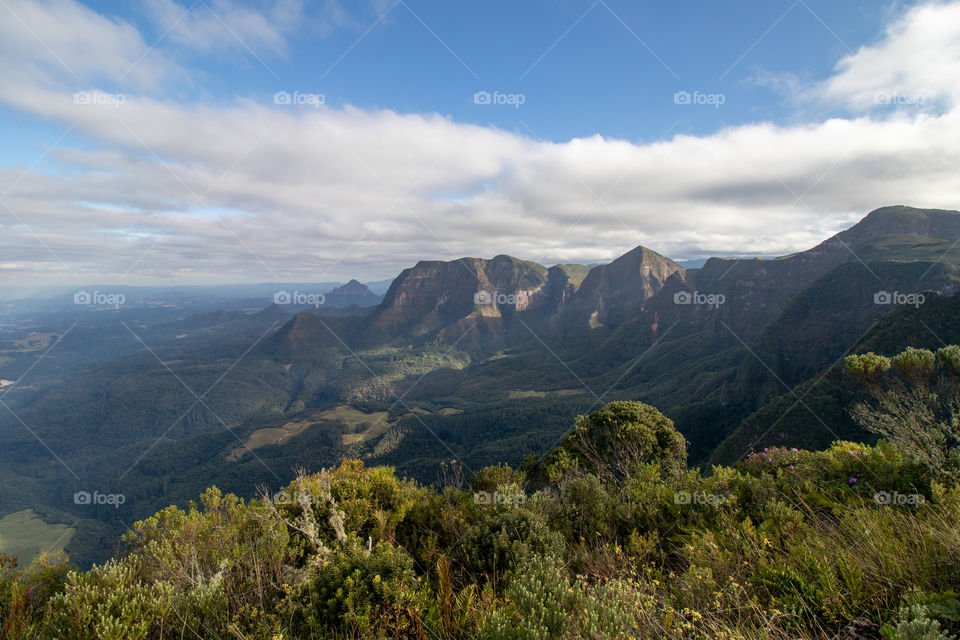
x=610, y=536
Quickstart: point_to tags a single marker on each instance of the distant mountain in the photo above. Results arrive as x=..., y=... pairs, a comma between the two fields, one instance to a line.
x=352, y=293
x=479, y=359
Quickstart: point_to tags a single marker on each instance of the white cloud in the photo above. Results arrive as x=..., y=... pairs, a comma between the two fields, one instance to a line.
x=62, y=40
x=917, y=63
x=226, y=26
x=329, y=193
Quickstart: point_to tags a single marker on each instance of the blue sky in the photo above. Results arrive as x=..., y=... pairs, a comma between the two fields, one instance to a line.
x=178, y=163
x=583, y=67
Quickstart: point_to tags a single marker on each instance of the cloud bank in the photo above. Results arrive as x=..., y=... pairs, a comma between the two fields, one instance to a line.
x=251, y=190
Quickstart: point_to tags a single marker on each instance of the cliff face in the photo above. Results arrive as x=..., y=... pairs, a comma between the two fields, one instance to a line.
x=487, y=305
x=614, y=293
x=446, y=299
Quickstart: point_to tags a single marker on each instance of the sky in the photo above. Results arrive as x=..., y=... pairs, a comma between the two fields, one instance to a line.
x=207, y=141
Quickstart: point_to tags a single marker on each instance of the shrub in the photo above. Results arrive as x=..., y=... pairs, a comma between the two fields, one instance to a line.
x=918, y=410
x=361, y=594
x=544, y=603
x=915, y=624
x=24, y=594
x=615, y=440
x=502, y=541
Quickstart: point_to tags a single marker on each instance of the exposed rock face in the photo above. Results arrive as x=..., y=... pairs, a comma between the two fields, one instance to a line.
x=486, y=305
x=614, y=293
x=433, y=294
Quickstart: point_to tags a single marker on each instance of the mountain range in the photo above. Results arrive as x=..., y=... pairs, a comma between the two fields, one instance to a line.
x=482, y=360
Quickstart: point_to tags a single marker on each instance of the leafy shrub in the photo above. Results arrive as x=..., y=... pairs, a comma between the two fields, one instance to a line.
x=615, y=440
x=502, y=541
x=544, y=603
x=489, y=478
x=915, y=624
x=918, y=410
x=24, y=594
x=362, y=594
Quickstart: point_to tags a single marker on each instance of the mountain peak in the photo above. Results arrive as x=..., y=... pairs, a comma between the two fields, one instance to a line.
x=353, y=288
x=901, y=220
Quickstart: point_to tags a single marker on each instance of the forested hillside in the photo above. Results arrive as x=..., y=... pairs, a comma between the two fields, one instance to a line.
x=611, y=535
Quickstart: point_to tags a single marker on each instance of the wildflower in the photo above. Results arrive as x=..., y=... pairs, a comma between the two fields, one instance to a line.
x=791, y=467
x=853, y=480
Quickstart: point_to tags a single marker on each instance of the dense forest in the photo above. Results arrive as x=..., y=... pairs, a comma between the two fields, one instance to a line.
x=610, y=535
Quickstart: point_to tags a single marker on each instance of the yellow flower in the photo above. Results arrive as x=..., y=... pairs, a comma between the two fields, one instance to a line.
x=376, y=579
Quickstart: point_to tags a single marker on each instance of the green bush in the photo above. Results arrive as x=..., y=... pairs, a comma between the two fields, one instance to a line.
x=917, y=410
x=361, y=594
x=617, y=439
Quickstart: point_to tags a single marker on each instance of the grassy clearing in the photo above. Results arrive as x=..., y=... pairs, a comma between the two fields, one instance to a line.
x=25, y=535
x=520, y=394
x=35, y=341
x=270, y=435
x=357, y=427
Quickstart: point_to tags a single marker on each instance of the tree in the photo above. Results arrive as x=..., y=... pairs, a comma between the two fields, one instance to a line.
x=915, y=404
x=616, y=440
